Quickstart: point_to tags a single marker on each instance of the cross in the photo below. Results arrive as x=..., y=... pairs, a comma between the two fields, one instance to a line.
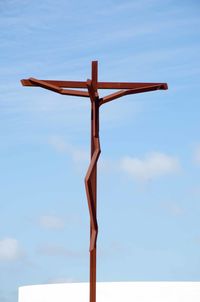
x=92, y=87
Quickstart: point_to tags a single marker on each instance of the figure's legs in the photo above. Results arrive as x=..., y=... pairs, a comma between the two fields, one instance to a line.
x=91, y=191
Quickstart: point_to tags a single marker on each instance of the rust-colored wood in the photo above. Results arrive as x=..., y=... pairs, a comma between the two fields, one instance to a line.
x=92, y=85
x=53, y=87
x=95, y=152
x=63, y=84
x=121, y=93
x=84, y=94
x=46, y=85
x=100, y=85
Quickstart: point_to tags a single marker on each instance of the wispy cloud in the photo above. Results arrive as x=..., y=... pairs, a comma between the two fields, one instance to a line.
x=173, y=208
x=128, y=6
x=197, y=155
x=153, y=165
x=49, y=249
x=60, y=145
x=51, y=222
x=10, y=250
x=113, y=249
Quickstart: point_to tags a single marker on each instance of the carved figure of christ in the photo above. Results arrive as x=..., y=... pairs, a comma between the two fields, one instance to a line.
x=92, y=86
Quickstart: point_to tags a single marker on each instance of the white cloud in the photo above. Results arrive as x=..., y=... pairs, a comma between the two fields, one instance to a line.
x=77, y=154
x=154, y=164
x=51, y=222
x=10, y=250
x=173, y=208
x=197, y=155
x=49, y=249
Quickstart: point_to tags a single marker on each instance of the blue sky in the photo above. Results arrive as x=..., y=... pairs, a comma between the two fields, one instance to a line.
x=149, y=184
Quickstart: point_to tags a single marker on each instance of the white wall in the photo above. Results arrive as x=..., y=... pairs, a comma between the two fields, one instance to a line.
x=113, y=291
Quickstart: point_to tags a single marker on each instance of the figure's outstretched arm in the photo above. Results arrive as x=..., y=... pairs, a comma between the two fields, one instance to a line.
x=140, y=89
x=55, y=88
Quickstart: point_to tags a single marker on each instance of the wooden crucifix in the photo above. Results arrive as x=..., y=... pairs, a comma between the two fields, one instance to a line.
x=92, y=86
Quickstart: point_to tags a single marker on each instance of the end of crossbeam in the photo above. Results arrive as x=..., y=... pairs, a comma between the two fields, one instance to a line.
x=164, y=86
x=24, y=82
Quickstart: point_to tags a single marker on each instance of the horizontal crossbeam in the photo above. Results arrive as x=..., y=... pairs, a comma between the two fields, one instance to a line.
x=100, y=85
x=63, y=84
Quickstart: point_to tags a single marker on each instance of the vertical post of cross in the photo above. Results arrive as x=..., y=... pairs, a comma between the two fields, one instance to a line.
x=94, y=139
